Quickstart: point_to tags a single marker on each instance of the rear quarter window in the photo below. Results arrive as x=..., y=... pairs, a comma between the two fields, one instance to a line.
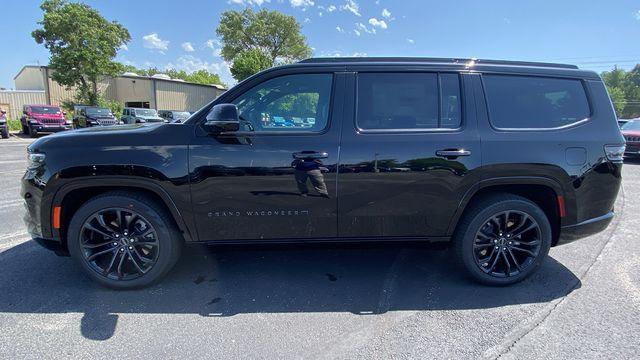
x=529, y=102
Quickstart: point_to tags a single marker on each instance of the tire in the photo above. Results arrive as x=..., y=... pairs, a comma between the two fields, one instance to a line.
x=5, y=134
x=33, y=132
x=122, y=272
x=25, y=129
x=481, y=232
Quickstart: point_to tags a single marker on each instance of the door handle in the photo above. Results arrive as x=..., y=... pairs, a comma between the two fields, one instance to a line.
x=452, y=153
x=310, y=155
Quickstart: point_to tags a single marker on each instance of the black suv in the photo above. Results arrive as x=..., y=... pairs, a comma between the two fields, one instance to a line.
x=501, y=159
x=89, y=116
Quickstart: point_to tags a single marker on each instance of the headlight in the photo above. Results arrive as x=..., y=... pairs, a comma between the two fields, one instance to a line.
x=35, y=160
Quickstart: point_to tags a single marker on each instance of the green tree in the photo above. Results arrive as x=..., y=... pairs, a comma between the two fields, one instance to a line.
x=624, y=89
x=203, y=77
x=82, y=44
x=250, y=62
x=275, y=35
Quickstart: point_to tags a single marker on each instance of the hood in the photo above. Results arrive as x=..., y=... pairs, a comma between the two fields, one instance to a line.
x=121, y=138
x=46, y=116
x=631, y=132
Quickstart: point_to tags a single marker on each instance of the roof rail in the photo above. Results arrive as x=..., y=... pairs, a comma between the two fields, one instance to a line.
x=461, y=61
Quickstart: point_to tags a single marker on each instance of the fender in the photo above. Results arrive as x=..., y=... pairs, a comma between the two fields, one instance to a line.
x=119, y=181
x=508, y=180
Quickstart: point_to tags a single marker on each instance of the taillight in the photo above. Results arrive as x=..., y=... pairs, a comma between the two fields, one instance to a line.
x=614, y=152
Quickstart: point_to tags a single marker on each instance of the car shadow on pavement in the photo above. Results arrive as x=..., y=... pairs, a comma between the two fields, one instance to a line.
x=225, y=281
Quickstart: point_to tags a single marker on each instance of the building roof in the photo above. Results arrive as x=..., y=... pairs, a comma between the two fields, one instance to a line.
x=27, y=67
x=125, y=75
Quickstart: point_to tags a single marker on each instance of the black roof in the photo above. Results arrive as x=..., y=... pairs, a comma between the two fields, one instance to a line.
x=427, y=60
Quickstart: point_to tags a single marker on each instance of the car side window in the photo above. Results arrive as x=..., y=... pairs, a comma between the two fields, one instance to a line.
x=532, y=102
x=290, y=103
x=408, y=101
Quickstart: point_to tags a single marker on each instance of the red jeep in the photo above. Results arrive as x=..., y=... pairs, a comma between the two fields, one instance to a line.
x=43, y=119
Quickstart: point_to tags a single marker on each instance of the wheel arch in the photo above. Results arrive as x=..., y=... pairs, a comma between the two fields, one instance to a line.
x=75, y=193
x=543, y=191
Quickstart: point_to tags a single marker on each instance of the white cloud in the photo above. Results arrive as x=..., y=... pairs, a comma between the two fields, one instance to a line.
x=248, y=2
x=301, y=3
x=411, y=41
x=332, y=8
x=637, y=14
x=352, y=7
x=364, y=28
x=153, y=41
x=378, y=23
x=386, y=13
x=340, y=30
x=123, y=47
x=355, y=31
x=307, y=20
x=211, y=43
x=188, y=47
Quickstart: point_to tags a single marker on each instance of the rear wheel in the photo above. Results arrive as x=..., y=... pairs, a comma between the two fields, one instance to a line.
x=502, y=239
x=124, y=240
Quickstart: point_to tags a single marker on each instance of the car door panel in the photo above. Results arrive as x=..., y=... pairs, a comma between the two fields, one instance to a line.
x=405, y=183
x=244, y=187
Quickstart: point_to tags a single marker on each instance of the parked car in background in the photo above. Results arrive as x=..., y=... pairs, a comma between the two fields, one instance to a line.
x=420, y=149
x=140, y=115
x=631, y=132
x=174, y=116
x=4, y=128
x=95, y=116
x=43, y=119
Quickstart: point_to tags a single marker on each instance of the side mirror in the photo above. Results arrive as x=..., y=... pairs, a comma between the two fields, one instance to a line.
x=222, y=118
x=25, y=112
x=3, y=112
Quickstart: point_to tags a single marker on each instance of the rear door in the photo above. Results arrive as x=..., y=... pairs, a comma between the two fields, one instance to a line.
x=408, y=155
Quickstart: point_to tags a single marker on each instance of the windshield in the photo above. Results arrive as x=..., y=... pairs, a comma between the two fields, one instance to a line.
x=98, y=111
x=45, y=110
x=146, y=112
x=181, y=115
x=631, y=125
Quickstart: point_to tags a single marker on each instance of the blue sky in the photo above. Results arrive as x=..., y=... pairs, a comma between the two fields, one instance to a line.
x=181, y=34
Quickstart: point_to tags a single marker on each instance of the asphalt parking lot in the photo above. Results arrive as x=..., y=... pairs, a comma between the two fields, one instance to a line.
x=321, y=301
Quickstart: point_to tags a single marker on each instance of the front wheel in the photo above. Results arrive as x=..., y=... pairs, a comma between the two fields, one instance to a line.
x=33, y=132
x=502, y=239
x=5, y=133
x=124, y=240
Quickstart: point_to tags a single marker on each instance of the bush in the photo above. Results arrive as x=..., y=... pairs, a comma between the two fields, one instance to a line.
x=14, y=125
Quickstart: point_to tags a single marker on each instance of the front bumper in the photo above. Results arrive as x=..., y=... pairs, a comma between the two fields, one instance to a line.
x=632, y=149
x=49, y=128
x=52, y=245
x=585, y=228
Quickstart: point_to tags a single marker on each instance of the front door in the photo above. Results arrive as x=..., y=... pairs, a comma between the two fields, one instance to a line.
x=275, y=179
x=407, y=157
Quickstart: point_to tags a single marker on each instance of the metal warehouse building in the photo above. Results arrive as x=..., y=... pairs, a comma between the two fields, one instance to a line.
x=35, y=86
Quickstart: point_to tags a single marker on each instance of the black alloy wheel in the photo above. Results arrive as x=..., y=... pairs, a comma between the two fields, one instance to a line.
x=124, y=239
x=502, y=239
x=507, y=244
x=119, y=244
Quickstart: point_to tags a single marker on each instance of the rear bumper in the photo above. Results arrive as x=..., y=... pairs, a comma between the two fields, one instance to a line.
x=585, y=228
